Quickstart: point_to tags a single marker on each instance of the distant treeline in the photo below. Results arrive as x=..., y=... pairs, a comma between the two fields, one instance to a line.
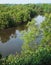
x=13, y=15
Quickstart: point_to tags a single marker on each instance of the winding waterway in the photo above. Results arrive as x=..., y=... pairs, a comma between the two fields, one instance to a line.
x=10, y=41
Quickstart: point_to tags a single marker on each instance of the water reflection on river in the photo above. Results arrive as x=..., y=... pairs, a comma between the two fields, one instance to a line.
x=10, y=41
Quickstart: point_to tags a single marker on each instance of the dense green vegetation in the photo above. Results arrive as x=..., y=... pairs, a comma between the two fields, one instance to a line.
x=46, y=29
x=37, y=54
x=32, y=53
x=13, y=15
x=42, y=56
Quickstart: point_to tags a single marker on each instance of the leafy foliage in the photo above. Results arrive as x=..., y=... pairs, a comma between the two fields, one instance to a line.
x=46, y=29
x=13, y=15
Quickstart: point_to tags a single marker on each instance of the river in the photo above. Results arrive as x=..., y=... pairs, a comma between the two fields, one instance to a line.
x=10, y=41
